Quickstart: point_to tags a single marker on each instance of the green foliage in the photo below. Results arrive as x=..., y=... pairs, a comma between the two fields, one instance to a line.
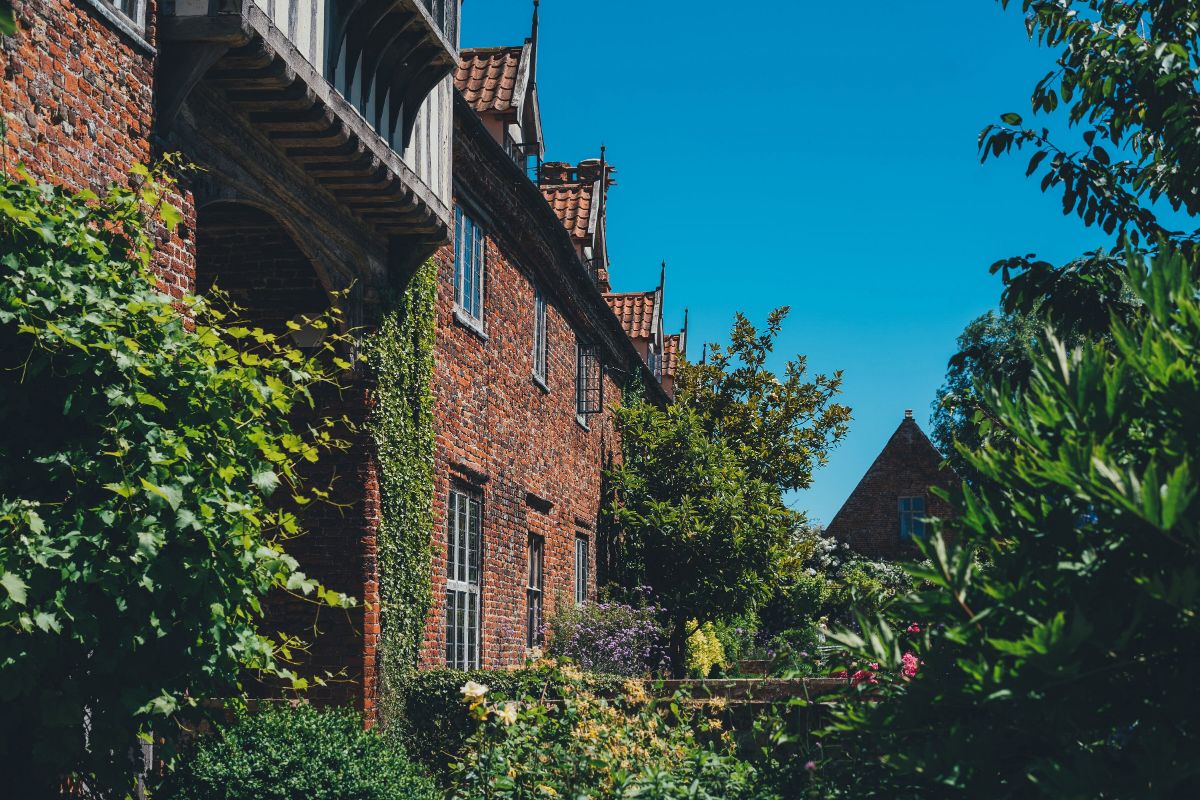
x=992, y=349
x=400, y=355
x=1065, y=668
x=147, y=440
x=8, y=22
x=588, y=747
x=432, y=724
x=298, y=753
x=700, y=530
x=779, y=429
x=1127, y=78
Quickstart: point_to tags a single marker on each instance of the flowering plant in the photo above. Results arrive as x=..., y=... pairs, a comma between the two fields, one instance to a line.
x=566, y=741
x=610, y=637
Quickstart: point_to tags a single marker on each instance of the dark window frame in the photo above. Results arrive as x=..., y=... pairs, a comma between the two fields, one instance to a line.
x=911, y=510
x=535, y=552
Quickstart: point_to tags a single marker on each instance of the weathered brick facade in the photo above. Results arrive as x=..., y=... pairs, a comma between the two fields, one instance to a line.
x=909, y=465
x=299, y=197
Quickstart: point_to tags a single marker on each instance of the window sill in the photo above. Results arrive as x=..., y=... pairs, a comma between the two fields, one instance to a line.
x=540, y=382
x=122, y=24
x=470, y=323
x=581, y=421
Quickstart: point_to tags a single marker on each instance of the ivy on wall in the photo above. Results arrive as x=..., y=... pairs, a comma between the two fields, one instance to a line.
x=400, y=355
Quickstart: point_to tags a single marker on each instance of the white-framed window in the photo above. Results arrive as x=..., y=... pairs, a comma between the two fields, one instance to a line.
x=134, y=11
x=581, y=569
x=540, y=343
x=469, y=258
x=589, y=380
x=533, y=591
x=912, y=518
x=463, y=546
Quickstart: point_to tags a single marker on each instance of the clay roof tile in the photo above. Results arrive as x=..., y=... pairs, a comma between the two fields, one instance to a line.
x=487, y=77
x=635, y=310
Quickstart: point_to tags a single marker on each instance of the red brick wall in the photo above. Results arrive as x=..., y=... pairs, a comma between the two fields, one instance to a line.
x=502, y=434
x=78, y=97
x=908, y=466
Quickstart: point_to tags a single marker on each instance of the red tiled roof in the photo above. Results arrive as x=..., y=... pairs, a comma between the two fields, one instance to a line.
x=487, y=77
x=670, y=355
x=635, y=310
x=572, y=202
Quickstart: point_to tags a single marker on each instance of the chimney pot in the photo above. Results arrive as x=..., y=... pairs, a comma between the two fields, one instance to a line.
x=908, y=413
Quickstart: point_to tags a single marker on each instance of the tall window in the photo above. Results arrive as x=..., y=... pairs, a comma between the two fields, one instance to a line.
x=540, y=344
x=912, y=513
x=533, y=592
x=581, y=569
x=589, y=380
x=468, y=266
x=462, y=580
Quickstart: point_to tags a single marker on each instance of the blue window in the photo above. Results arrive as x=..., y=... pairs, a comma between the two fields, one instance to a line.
x=912, y=518
x=468, y=267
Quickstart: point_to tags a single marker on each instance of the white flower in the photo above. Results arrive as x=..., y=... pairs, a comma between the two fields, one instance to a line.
x=535, y=654
x=508, y=714
x=473, y=691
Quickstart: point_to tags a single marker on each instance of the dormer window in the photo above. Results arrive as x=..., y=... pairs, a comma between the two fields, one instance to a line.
x=912, y=518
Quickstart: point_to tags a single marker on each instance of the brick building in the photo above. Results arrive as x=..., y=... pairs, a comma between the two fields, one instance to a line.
x=885, y=512
x=337, y=155
x=529, y=359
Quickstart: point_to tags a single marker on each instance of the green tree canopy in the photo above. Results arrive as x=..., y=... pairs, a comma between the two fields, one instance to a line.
x=780, y=428
x=143, y=441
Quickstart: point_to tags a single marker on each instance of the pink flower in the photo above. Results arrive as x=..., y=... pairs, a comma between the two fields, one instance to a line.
x=911, y=664
x=810, y=765
x=873, y=666
x=914, y=628
x=863, y=676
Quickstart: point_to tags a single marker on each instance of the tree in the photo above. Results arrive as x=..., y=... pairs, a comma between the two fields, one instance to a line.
x=697, y=527
x=992, y=349
x=780, y=430
x=1128, y=77
x=1065, y=668
x=143, y=443
x=698, y=497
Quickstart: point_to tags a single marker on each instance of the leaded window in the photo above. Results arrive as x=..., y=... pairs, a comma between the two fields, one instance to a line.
x=581, y=569
x=469, y=258
x=589, y=380
x=533, y=591
x=463, y=544
x=540, y=343
x=912, y=518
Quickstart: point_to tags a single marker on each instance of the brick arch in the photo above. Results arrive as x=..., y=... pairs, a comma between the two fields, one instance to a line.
x=248, y=253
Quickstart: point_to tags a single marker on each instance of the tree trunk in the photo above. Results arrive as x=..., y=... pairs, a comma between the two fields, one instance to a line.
x=678, y=648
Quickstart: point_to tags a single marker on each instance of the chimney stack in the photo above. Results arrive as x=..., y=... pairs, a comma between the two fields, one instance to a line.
x=555, y=173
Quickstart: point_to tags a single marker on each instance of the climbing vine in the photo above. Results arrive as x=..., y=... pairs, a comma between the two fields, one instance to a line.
x=400, y=355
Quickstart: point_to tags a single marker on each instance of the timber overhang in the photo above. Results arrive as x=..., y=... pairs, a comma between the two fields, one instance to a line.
x=241, y=54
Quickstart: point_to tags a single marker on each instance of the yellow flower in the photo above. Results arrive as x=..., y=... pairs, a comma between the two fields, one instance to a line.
x=635, y=691
x=549, y=790
x=473, y=692
x=508, y=714
x=714, y=724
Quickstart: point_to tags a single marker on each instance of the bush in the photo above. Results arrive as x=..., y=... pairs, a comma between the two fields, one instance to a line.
x=610, y=638
x=432, y=727
x=298, y=753
x=137, y=470
x=1066, y=668
x=704, y=650
x=584, y=746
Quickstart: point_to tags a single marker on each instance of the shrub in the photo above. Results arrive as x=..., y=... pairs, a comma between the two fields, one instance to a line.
x=610, y=638
x=432, y=727
x=1066, y=668
x=298, y=753
x=704, y=650
x=587, y=747
x=137, y=466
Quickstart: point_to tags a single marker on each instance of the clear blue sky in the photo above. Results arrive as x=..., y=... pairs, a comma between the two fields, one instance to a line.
x=821, y=156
